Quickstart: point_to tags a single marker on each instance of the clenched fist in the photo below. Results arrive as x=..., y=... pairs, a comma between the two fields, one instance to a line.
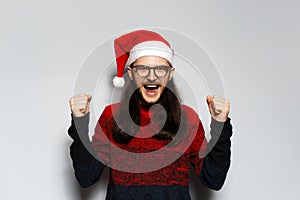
x=80, y=104
x=218, y=107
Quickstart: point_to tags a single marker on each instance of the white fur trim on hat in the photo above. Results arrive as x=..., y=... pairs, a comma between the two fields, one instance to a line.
x=118, y=82
x=150, y=48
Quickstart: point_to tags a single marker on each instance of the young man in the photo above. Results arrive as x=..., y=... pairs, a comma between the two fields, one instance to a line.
x=133, y=126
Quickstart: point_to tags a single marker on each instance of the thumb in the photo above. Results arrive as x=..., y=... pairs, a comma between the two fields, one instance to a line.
x=209, y=100
x=88, y=104
x=87, y=109
x=89, y=97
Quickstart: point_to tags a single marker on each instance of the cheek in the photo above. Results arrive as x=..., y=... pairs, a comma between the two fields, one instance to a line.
x=164, y=81
x=138, y=81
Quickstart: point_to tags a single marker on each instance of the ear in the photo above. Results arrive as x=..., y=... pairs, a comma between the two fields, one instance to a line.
x=171, y=73
x=129, y=71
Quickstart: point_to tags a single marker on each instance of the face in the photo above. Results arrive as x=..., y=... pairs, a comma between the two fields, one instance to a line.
x=151, y=86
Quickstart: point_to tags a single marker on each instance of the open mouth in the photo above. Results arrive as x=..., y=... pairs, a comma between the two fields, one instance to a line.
x=151, y=90
x=151, y=87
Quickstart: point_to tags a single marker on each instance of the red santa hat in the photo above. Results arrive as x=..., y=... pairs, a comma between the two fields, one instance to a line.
x=136, y=44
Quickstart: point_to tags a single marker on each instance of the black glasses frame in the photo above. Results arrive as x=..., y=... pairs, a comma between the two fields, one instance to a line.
x=155, y=69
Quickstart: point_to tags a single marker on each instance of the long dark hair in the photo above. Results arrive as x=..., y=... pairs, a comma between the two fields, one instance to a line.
x=132, y=100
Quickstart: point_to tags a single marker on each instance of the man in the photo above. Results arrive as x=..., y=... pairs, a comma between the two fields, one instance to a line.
x=133, y=126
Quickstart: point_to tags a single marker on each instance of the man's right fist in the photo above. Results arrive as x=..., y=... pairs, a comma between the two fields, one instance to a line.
x=80, y=104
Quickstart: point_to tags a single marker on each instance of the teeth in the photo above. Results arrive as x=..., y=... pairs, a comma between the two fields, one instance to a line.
x=151, y=85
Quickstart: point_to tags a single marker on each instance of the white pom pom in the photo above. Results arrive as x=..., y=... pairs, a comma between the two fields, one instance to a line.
x=118, y=82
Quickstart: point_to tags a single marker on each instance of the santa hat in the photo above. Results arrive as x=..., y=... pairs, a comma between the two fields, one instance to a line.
x=133, y=45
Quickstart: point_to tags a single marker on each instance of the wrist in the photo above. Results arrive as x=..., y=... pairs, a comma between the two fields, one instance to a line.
x=221, y=129
x=80, y=116
x=81, y=123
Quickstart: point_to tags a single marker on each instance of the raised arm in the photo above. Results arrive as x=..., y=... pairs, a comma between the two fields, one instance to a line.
x=216, y=163
x=212, y=169
x=86, y=167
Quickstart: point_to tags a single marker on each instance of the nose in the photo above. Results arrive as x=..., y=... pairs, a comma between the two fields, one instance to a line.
x=151, y=77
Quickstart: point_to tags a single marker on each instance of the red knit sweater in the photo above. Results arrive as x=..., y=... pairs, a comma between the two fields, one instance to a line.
x=167, y=182
x=176, y=173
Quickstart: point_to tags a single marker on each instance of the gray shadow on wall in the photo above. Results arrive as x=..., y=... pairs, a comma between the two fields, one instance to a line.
x=197, y=190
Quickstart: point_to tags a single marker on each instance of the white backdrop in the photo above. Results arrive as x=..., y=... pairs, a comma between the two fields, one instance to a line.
x=254, y=44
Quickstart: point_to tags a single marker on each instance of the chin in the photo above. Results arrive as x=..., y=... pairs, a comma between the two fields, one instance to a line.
x=150, y=100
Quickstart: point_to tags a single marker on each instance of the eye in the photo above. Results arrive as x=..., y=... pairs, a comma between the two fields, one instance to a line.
x=142, y=70
x=141, y=67
x=160, y=68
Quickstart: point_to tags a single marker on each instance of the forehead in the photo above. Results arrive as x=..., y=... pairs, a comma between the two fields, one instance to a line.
x=151, y=61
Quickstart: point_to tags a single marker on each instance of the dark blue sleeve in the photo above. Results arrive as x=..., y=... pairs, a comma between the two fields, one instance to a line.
x=216, y=163
x=86, y=167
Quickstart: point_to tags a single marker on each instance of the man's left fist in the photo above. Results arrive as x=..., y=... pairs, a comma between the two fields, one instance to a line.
x=218, y=108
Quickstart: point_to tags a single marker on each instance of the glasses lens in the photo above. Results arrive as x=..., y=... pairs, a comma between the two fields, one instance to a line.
x=161, y=70
x=142, y=70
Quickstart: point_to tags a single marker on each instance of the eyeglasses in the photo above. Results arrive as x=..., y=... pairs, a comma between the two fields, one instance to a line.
x=159, y=71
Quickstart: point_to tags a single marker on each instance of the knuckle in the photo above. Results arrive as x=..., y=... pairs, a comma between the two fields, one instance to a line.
x=85, y=97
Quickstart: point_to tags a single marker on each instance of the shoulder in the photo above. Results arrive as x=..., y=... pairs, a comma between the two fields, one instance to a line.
x=192, y=118
x=108, y=112
x=190, y=113
x=110, y=109
x=188, y=109
x=106, y=121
